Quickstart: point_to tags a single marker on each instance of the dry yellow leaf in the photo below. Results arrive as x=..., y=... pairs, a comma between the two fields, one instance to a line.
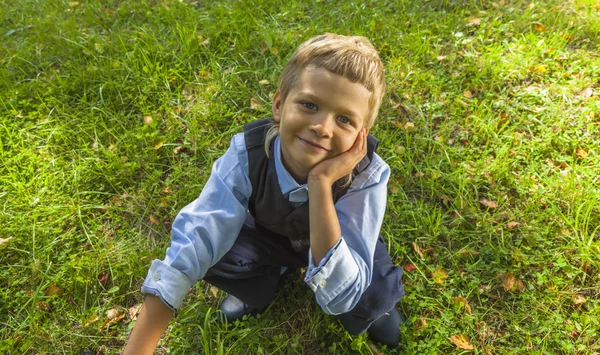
x=148, y=120
x=579, y=299
x=512, y=225
x=153, y=220
x=461, y=300
x=509, y=281
x=214, y=291
x=178, y=149
x=112, y=313
x=417, y=249
x=133, y=311
x=488, y=203
x=468, y=94
x=441, y=57
x=53, y=290
x=409, y=126
x=274, y=50
x=4, y=242
x=539, y=27
x=461, y=341
x=93, y=319
x=160, y=144
x=520, y=286
x=474, y=21
x=587, y=92
x=255, y=103
x=582, y=153
x=264, y=82
x=439, y=275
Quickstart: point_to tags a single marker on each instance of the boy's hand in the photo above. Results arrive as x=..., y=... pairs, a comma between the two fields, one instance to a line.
x=333, y=169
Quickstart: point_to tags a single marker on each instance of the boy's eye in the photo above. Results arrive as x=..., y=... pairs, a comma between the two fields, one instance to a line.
x=344, y=120
x=309, y=105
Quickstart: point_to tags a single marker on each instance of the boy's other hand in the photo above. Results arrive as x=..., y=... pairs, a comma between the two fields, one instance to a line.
x=333, y=169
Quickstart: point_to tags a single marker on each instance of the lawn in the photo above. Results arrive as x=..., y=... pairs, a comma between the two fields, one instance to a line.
x=112, y=113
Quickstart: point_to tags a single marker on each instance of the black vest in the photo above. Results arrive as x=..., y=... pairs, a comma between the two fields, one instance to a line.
x=271, y=210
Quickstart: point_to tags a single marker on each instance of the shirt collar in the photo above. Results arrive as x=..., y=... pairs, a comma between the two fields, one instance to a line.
x=286, y=181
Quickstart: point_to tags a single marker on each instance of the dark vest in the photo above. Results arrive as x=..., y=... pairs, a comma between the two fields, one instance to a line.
x=270, y=209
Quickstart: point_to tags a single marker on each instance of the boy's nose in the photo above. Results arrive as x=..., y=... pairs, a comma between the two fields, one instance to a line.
x=323, y=125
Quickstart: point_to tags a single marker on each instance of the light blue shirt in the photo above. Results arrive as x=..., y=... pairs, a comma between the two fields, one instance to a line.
x=206, y=229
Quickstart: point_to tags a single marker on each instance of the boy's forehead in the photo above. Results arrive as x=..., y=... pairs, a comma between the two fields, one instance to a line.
x=320, y=84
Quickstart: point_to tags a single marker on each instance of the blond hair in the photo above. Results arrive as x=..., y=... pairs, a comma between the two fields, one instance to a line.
x=352, y=57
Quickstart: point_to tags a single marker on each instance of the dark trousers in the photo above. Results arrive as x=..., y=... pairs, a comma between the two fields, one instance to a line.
x=251, y=271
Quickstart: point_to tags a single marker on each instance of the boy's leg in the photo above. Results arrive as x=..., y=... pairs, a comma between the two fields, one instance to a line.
x=251, y=270
x=380, y=297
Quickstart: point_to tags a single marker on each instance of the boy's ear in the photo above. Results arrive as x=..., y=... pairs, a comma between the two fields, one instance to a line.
x=276, y=107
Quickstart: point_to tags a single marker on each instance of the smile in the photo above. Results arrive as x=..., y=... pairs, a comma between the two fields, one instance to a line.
x=312, y=145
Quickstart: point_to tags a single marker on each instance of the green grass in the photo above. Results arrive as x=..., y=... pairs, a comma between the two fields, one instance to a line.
x=87, y=192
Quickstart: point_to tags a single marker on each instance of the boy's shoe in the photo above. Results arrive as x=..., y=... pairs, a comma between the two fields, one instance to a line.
x=385, y=330
x=234, y=309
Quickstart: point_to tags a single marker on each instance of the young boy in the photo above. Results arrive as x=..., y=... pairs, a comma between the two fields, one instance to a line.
x=316, y=195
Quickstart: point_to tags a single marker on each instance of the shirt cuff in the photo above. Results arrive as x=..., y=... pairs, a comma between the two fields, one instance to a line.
x=167, y=283
x=333, y=274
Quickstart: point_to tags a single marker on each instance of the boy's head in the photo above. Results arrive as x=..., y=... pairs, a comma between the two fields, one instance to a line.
x=352, y=57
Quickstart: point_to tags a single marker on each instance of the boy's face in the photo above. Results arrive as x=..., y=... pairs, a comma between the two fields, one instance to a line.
x=320, y=119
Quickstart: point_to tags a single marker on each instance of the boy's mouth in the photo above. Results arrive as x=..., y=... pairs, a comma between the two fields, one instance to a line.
x=314, y=145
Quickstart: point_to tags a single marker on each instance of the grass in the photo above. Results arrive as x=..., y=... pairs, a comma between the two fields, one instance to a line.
x=491, y=127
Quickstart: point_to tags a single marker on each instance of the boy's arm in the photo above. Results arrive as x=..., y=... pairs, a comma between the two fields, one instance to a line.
x=324, y=224
x=149, y=326
x=201, y=234
x=340, y=277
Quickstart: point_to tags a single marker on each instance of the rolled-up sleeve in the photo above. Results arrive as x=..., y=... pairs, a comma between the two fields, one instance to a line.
x=345, y=272
x=205, y=230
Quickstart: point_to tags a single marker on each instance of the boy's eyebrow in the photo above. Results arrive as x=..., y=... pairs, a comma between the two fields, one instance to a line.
x=312, y=97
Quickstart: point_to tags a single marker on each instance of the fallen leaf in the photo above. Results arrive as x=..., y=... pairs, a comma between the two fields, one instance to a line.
x=112, y=313
x=206, y=42
x=103, y=277
x=394, y=189
x=417, y=250
x=539, y=27
x=421, y=322
x=512, y=225
x=461, y=341
x=274, y=50
x=468, y=94
x=153, y=220
x=582, y=153
x=178, y=149
x=374, y=349
x=439, y=275
x=483, y=288
x=53, y=290
x=468, y=252
x=4, y=242
x=520, y=286
x=255, y=103
x=461, y=300
x=509, y=281
x=263, y=46
x=264, y=82
x=488, y=203
x=409, y=126
x=42, y=306
x=214, y=291
x=441, y=57
x=564, y=172
x=578, y=299
x=73, y=3
x=587, y=92
x=474, y=21
x=93, y=319
x=167, y=190
x=157, y=146
x=133, y=311
x=409, y=267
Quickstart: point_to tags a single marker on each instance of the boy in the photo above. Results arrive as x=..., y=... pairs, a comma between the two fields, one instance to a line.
x=315, y=149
